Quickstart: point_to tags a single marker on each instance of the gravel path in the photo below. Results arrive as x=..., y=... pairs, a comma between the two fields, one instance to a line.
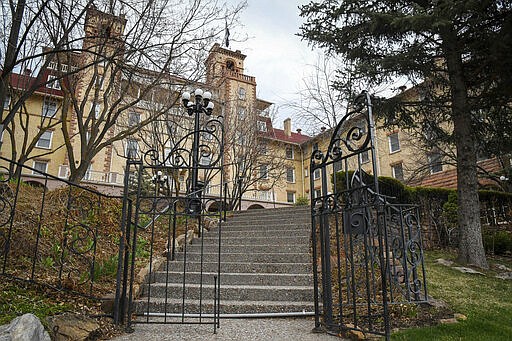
x=285, y=329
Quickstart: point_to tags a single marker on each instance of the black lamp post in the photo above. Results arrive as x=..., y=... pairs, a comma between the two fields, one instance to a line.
x=240, y=182
x=202, y=105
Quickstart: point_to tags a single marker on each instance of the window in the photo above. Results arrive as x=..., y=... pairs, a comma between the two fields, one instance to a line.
x=207, y=136
x=241, y=113
x=241, y=93
x=317, y=193
x=264, y=172
x=435, y=163
x=290, y=197
x=97, y=109
x=306, y=172
x=53, y=82
x=429, y=131
x=88, y=173
x=100, y=79
x=241, y=139
x=40, y=167
x=290, y=175
x=133, y=118
x=398, y=171
x=49, y=108
x=315, y=146
x=365, y=156
x=132, y=149
x=316, y=174
x=45, y=141
x=63, y=171
x=394, y=143
x=205, y=160
x=263, y=148
x=289, y=152
x=7, y=102
x=241, y=165
x=262, y=126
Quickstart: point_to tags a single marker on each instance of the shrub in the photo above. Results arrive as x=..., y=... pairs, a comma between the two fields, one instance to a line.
x=302, y=201
x=498, y=242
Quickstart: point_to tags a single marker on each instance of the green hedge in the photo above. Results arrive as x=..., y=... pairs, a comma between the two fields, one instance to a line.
x=401, y=193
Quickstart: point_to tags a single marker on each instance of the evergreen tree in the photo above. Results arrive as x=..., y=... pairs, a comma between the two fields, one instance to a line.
x=461, y=52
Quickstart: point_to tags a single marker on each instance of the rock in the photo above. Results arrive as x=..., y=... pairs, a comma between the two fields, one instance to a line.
x=505, y=275
x=460, y=317
x=467, y=270
x=180, y=240
x=436, y=303
x=107, y=303
x=448, y=321
x=503, y=268
x=444, y=262
x=24, y=328
x=72, y=327
x=190, y=236
x=354, y=334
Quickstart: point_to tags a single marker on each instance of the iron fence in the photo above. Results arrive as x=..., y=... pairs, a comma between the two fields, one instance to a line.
x=54, y=237
x=367, y=252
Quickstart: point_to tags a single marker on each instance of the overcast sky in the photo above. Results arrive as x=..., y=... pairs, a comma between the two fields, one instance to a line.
x=275, y=55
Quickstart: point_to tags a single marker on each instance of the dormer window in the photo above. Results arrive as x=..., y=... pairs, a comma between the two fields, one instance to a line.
x=241, y=93
x=262, y=126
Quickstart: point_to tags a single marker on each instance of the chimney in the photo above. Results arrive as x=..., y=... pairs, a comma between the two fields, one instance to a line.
x=402, y=88
x=323, y=129
x=299, y=131
x=27, y=72
x=288, y=127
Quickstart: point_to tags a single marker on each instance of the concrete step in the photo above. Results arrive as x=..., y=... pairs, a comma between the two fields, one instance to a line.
x=245, y=257
x=291, y=218
x=275, y=211
x=240, y=248
x=233, y=267
x=242, y=240
x=240, y=278
x=157, y=305
x=248, y=233
x=233, y=292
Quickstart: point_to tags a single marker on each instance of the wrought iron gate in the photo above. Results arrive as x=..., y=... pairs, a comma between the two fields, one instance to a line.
x=367, y=251
x=168, y=194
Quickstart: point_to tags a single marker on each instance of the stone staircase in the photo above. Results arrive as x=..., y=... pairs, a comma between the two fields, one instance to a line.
x=265, y=269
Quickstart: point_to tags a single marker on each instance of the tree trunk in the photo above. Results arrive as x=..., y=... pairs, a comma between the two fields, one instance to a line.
x=10, y=57
x=471, y=249
x=76, y=174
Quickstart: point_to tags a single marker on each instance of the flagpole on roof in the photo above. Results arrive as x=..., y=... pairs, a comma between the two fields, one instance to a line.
x=226, y=35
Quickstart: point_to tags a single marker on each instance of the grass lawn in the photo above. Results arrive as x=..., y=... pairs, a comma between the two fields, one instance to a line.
x=485, y=300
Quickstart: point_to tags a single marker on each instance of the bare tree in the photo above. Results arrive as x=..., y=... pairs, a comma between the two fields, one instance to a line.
x=318, y=103
x=122, y=58
x=252, y=158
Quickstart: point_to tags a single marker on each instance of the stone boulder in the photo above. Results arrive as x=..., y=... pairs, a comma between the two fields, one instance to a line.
x=72, y=327
x=24, y=328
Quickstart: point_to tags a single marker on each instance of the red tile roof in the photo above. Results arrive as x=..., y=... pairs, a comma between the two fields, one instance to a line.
x=294, y=138
x=23, y=82
x=278, y=134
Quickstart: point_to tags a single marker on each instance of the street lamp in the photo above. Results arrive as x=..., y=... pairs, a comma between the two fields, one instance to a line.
x=240, y=182
x=202, y=105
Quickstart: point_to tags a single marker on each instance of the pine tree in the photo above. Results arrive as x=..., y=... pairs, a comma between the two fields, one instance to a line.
x=461, y=52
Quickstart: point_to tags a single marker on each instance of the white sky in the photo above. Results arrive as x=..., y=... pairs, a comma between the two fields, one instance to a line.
x=275, y=55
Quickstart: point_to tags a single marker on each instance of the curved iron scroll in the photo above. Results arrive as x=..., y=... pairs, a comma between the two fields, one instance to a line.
x=180, y=156
x=355, y=140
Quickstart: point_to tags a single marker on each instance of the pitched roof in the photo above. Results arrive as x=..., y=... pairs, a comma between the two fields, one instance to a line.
x=25, y=82
x=280, y=135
